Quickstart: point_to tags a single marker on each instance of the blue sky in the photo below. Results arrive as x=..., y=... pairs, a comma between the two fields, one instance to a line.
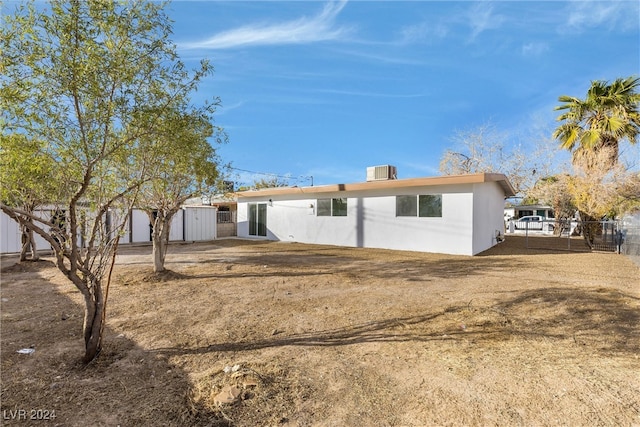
x=325, y=89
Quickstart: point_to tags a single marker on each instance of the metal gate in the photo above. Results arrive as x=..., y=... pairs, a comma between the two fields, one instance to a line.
x=603, y=235
x=569, y=235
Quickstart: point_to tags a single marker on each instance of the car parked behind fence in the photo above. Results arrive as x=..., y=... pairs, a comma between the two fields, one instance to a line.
x=532, y=222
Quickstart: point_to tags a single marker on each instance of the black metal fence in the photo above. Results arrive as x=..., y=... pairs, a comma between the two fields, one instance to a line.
x=225, y=217
x=610, y=236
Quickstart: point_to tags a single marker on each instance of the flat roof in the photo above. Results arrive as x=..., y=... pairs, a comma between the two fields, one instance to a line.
x=476, y=178
x=538, y=206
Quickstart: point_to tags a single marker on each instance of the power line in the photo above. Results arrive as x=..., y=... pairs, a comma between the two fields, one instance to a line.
x=261, y=173
x=273, y=174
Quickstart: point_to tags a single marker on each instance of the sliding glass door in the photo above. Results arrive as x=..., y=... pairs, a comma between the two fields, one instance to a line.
x=258, y=219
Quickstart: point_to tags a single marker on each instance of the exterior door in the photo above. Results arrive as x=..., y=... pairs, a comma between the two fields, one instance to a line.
x=258, y=219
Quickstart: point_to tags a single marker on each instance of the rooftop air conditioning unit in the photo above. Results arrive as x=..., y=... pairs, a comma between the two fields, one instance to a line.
x=381, y=173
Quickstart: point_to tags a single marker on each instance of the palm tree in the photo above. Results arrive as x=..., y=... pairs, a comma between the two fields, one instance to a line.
x=608, y=115
x=593, y=128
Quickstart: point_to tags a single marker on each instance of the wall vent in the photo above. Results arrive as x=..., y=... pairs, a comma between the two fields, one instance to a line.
x=381, y=173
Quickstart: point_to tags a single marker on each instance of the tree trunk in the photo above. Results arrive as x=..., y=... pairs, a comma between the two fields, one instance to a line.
x=86, y=274
x=589, y=227
x=28, y=245
x=93, y=317
x=160, y=241
x=34, y=250
x=558, y=225
x=158, y=258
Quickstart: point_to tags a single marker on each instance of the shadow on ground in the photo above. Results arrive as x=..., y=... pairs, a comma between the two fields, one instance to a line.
x=125, y=385
x=537, y=245
x=605, y=319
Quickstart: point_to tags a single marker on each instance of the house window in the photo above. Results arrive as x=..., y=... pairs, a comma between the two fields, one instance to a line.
x=423, y=205
x=430, y=205
x=406, y=206
x=332, y=207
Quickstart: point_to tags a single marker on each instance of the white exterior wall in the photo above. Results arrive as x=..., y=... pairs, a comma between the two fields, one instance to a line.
x=488, y=216
x=371, y=220
x=10, y=238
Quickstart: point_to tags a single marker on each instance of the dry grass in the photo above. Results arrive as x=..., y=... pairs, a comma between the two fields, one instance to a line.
x=330, y=336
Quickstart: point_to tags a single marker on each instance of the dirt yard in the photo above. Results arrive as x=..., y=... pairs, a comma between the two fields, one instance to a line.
x=303, y=335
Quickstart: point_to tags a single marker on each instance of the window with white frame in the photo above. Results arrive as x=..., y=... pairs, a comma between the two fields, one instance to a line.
x=422, y=205
x=332, y=207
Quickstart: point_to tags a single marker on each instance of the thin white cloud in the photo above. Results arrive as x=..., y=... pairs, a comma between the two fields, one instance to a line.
x=619, y=15
x=611, y=13
x=481, y=18
x=380, y=54
x=227, y=108
x=317, y=28
x=534, y=49
x=423, y=32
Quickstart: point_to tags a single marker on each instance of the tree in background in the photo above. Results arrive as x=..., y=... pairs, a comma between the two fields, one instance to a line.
x=273, y=181
x=92, y=81
x=601, y=190
x=592, y=130
x=183, y=166
x=554, y=191
x=486, y=149
x=23, y=162
x=270, y=183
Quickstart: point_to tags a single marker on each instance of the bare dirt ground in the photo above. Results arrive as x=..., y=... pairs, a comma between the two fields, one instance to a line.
x=325, y=336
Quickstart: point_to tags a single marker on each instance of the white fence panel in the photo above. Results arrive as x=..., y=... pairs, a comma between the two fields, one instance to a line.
x=10, y=240
x=200, y=223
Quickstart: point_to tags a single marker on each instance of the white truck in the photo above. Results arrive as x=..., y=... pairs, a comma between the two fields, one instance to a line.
x=532, y=222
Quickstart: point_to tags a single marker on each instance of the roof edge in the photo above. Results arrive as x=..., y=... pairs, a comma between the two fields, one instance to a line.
x=476, y=178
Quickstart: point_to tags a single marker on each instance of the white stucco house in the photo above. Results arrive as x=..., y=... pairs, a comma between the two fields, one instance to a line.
x=460, y=214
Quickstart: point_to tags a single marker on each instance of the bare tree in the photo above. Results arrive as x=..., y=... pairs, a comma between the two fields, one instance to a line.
x=486, y=149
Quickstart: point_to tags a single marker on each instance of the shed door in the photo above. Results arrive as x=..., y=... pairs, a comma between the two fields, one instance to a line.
x=258, y=219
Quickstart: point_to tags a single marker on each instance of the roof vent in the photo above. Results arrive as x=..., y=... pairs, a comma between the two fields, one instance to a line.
x=381, y=173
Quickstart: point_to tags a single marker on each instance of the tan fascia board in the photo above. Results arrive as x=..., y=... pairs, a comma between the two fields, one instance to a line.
x=477, y=178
